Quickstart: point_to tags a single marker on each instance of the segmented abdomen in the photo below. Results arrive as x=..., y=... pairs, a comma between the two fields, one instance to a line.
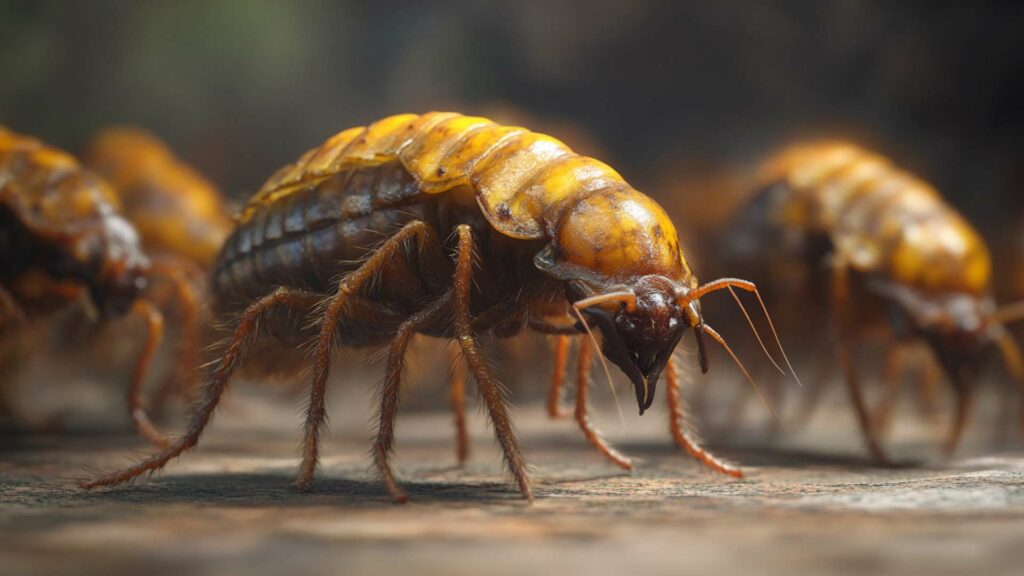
x=521, y=179
x=174, y=209
x=309, y=238
x=880, y=218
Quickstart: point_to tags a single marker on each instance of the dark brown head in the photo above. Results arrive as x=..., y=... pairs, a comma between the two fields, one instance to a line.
x=624, y=272
x=639, y=334
x=961, y=328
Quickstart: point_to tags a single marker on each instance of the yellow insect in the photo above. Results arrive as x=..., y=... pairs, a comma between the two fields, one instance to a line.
x=450, y=226
x=893, y=237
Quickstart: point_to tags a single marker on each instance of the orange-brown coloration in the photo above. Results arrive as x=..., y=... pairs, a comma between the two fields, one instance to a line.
x=524, y=183
x=448, y=226
x=64, y=242
x=174, y=208
x=883, y=219
x=893, y=237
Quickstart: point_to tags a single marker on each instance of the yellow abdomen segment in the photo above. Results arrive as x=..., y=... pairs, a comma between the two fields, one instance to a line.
x=523, y=182
x=880, y=218
x=174, y=209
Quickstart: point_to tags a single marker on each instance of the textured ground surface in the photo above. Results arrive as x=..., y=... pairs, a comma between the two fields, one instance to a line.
x=228, y=507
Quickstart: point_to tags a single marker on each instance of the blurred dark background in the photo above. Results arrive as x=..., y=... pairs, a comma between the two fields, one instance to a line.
x=242, y=87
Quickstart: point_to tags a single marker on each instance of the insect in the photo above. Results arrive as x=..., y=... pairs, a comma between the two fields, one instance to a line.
x=63, y=241
x=182, y=221
x=889, y=237
x=451, y=226
x=174, y=209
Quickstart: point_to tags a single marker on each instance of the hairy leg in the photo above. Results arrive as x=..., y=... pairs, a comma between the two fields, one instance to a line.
x=458, y=400
x=489, y=386
x=244, y=333
x=391, y=392
x=684, y=438
x=316, y=411
x=592, y=434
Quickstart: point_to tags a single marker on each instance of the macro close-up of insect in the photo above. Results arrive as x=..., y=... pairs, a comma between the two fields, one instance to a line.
x=64, y=243
x=509, y=288
x=487, y=228
x=872, y=233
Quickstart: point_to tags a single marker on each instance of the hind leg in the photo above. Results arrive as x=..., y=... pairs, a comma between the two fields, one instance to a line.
x=247, y=329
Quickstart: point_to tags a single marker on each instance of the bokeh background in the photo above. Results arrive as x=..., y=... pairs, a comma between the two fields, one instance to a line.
x=241, y=87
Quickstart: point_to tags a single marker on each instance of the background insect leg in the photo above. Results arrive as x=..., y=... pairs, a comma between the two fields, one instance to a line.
x=892, y=377
x=316, y=412
x=10, y=313
x=964, y=402
x=847, y=352
x=391, y=392
x=184, y=280
x=490, y=388
x=244, y=333
x=593, y=435
x=683, y=437
x=154, y=334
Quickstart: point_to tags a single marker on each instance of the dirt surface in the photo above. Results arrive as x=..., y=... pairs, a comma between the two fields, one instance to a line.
x=228, y=507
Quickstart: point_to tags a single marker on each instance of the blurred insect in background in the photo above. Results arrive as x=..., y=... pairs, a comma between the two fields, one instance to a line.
x=888, y=238
x=175, y=210
x=64, y=243
x=182, y=221
x=451, y=226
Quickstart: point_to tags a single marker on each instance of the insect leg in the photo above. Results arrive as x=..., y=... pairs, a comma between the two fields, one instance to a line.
x=847, y=353
x=928, y=386
x=390, y=392
x=892, y=375
x=490, y=388
x=247, y=329
x=593, y=435
x=316, y=411
x=10, y=313
x=684, y=438
x=558, y=377
x=964, y=402
x=458, y=399
x=184, y=280
x=154, y=335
